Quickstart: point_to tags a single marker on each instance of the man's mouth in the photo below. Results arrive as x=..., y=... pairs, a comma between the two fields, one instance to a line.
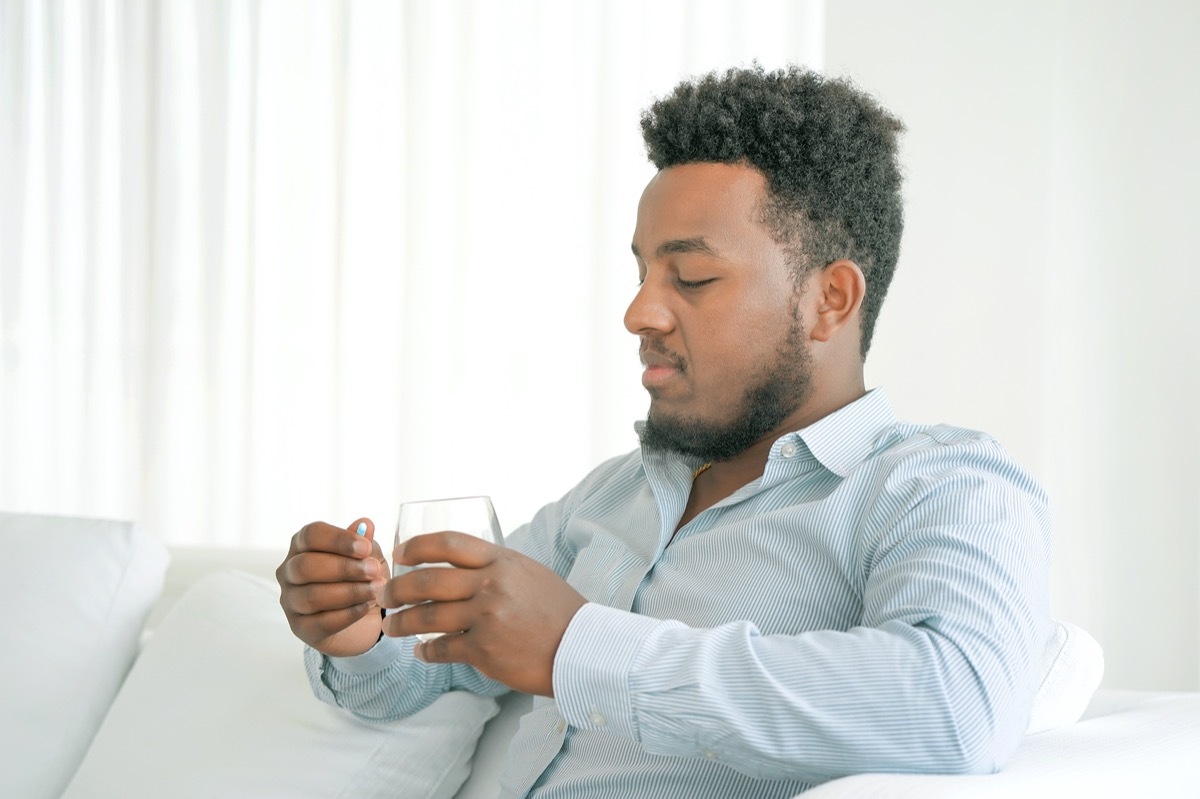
x=661, y=366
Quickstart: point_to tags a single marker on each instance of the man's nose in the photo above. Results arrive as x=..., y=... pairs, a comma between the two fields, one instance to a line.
x=648, y=312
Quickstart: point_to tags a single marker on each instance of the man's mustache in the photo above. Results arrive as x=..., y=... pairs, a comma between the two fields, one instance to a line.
x=660, y=349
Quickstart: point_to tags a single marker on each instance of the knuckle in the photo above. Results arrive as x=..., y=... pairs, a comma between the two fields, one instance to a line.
x=297, y=569
x=486, y=652
x=427, y=613
x=293, y=603
x=302, y=537
x=306, y=599
x=488, y=584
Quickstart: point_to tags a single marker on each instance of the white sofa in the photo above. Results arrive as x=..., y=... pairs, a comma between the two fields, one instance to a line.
x=124, y=676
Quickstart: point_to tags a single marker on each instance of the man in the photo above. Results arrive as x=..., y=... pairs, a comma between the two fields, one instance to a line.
x=784, y=584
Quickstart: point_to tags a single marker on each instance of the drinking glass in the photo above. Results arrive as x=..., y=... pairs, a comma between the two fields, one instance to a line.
x=471, y=515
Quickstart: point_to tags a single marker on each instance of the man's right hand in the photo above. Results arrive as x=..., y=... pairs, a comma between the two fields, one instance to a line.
x=327, y=587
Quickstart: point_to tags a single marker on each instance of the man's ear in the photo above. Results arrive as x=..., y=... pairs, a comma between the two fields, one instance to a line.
x=842, y=288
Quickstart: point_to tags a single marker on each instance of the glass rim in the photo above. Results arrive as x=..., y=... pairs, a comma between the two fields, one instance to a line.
x=446, y=499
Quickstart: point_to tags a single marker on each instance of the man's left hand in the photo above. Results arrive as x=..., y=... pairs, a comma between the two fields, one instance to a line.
x=501, y=612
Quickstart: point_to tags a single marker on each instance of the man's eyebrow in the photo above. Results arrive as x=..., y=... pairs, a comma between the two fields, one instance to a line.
x=696, y=244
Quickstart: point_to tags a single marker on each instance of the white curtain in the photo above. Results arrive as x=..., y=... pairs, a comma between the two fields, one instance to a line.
x=267, y=262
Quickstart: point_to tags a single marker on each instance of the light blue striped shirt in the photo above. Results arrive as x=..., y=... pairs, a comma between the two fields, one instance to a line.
x=876, y=601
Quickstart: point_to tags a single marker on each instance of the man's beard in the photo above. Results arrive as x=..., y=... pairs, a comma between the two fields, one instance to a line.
x=779, y=390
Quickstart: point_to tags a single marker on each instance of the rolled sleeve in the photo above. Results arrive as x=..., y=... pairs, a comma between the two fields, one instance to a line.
x=324, y=671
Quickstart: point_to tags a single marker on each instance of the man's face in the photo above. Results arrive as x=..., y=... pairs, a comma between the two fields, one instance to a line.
x=717, y=313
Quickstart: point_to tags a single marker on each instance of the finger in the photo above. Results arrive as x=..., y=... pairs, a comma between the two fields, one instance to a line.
x=365, y=525
x=448, y=648
x=457, y=549
x=319, y=626
x=317, y=598
x=429, y=617
x=428, y=584
x=368, y=533
x=322, y=537
x=323, y=567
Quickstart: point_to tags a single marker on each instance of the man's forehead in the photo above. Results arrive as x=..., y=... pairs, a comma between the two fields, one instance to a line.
x=715, y=179
x=694, y=208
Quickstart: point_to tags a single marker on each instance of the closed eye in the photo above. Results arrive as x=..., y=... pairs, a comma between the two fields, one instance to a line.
x=693, y=284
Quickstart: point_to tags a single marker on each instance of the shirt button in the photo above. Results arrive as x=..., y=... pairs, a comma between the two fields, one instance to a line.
x=788, y=450
x=710, y=754
x=561, y=727
x=597, y=718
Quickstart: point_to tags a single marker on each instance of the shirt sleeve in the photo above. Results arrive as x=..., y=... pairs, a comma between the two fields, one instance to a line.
x=389, y=682
x=936, y=677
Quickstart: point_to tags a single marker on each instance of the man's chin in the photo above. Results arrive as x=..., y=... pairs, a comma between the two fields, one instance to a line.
x=685, y=436
x=712, y=440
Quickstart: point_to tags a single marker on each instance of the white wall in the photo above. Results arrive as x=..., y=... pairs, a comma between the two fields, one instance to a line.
x=274, y=262
x=1048, y=277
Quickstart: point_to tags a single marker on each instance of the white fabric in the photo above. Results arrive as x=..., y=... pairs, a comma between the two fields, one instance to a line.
x=1073, y=666
x=269, y=255
x=1146, y=747
x=218, y=705
x=492, y=751
x=76, y=592
x=189, y=565
x=225, y=229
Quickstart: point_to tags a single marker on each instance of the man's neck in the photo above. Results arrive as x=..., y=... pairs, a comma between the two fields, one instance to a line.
x=749, y=464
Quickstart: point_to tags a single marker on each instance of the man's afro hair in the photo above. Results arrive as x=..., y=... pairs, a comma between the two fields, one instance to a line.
x=828, y=152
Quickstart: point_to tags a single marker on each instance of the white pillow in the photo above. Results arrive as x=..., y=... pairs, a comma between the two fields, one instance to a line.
x=75, y=594
x=218, y=705
x=1072, y=667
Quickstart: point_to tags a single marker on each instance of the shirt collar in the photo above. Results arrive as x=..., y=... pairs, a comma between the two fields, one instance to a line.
x=839, y=442
x=847, y=437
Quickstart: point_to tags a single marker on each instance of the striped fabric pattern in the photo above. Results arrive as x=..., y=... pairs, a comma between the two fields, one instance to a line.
x=876, y=601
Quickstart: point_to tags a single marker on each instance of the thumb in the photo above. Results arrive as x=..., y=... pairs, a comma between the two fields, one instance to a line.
x=364, y=527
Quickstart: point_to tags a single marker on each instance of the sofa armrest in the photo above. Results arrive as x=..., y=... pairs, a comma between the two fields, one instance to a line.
x=1128, y=744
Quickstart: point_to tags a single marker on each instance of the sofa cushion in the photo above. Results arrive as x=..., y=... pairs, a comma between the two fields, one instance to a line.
x=218, y=704
x=77, y=592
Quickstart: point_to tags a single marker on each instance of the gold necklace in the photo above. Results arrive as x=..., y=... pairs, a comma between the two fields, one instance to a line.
x=701, y=470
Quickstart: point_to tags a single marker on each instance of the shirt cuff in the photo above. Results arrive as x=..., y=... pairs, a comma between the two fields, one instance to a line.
x=593, y=666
